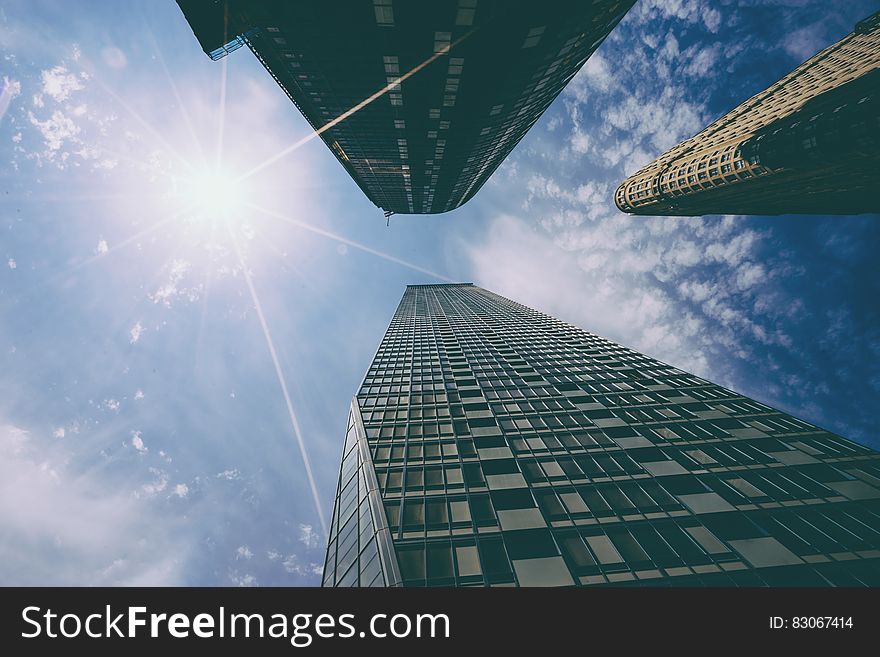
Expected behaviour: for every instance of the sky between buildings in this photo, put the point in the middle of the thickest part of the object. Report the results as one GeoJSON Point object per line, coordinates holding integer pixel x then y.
{"type": "Point", "coordinates": [144, 434]}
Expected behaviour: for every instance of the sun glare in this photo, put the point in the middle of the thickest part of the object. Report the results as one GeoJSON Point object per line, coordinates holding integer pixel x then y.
{"type": "Point", "coordinates": [214, 195]}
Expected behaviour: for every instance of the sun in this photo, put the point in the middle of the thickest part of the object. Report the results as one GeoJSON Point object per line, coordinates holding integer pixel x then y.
{"type": "Point", "coordinates": [213, 194]}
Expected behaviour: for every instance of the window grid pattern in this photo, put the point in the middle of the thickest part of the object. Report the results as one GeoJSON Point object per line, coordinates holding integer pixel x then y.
{"type": "Point", "coordinates": [511, 448]}
{"type": "Point", "coordinates": [431, 140]}
{"type": "Point", "coordinates": [353, 550]}
{"type": "Point", "coordinates": [806, 144]}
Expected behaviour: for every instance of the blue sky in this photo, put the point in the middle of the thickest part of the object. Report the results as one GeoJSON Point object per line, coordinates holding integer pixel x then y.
{"type": "Point", "coordinates": [144, 434]}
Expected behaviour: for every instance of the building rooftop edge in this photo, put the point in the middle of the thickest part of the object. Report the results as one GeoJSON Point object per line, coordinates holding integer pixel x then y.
{"type": "Point", "coordinates": [440, 285]}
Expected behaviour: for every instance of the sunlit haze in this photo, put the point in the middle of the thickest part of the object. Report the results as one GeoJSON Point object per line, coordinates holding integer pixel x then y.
{"type": "Point", "coordinates": [214, 194]}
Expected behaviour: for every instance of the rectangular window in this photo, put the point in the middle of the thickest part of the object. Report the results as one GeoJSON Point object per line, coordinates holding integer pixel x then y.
{"type": "Point", "coordinates": [604, 549]}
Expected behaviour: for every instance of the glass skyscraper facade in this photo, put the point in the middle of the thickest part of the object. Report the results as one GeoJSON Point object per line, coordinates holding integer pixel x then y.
{"type": "Point", "coordinates": [419, 101]}
{"type": "Point", "coordinates": [493, 445]}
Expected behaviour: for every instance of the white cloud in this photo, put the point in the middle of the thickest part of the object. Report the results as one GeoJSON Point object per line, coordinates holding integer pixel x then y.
{"type": "Point", "coordinates": [595, 74]}
{"type": "Point", "coordinates": [807, 41]}
{"type": "Point", "coordinates": [135, 333]}
{"type": "Point", "coordinates": [157, 485]}
{"type": "Point", "coordinates": [749, 274]}
{"type": "Point", "coordinates": [111, 404]}
{"type": "Point", "coordinates": [700, 60]}
{"type": "Point", "coordinates": [244, 580]}
{"type": "Point", "coordinates": [229, 475]}
{"type": "Point", "coordinates": [580, 141]}
{"type": "Point", "coordinates": [732, 249]}
{"type": "Point", "coordinates": [59, 83]}
{"type": "Point", "coordinates": [293, 566]}
{"type": "Point", "coordinates": [11, 263]}
{"type": "Point", "coordinates": [55, 130]}
{"type": "Point", "coordinates": [71, 130]}
{"type": "Point", "coordinates": [8, 91]}
{"type": "Point", "coordinates": [138, 442]}
{"type": "Point", "coordinates": [173, 289]}
{"type": "Point", "coordinates": [139, 394]}
{"type": "Point", "coordinates": [608, 277]}
{"type": "Point", "coordinates": [65, 528]}
{"type": "Point", "coordinates": [662, 121]}
{"type": "Point", "coordinates": [102, 247]}
{"type": "Point", "coordinates": [308, 536]}
{"type": "Point", "coordinates": [691, 11]}
{"type": "Point", "coordinates": [243, 552]}
{"type": "Point", "coordinates": [59, 433]}
{"type": "Point", "coordinates": [181, 490]}
{"type": "Point", "coordinates": [670, 51]}
{"type": "Point", "coordinates": [697, 291]}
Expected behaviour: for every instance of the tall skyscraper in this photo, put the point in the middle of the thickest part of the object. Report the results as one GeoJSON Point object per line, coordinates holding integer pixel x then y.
{"type": "Point", "coordinates": [490, 444]}
{"type": "Point", "coordinates": [808, 144]}
{"type": "Point", "coordinates": [419, 101]}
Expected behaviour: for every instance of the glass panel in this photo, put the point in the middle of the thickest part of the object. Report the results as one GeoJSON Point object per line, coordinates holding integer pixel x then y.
{"type": "Point", "coordinates": [468, 560]}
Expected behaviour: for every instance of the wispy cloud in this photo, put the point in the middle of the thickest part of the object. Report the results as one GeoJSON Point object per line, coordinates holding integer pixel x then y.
{"type": "Point", "coordinates": [57, 130]}
{"type": "Point", "coordinates": [68, 528]}
{"type": "Point", "coordinates": [683, 11]}
{"type": "Point", "coordinates": [174, 287]}
{"type": "Point", "coordinates": [230, 475]}
{"type": "Point", "coordinates": [308, 536]}
{"type": "Point", "coordinates": [135, 332]}
{"type": "Point", "coordinates": [69, 132]}
{"type": "Point", "coordinates": [138, 442]}
{"type": "Point", "coordinates": [8, 91]}
{"type": "Point", "coordinates": [59, 83]}
{"type": "Point", "coordinates": [244, 580]}
{"type": "Point", "coordinates": [715, 295]}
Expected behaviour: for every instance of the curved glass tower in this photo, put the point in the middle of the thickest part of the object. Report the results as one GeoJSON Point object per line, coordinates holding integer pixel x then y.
{"type": "Point", "coordinates": [808, 144]}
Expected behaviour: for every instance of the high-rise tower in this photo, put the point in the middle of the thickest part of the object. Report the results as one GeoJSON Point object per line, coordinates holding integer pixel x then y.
{"type": "Point", "coordinates": [808, 144]}
{"type": "Point", "coordinates": [419, 101]}
{"type": "Point", "coordinates": [490, 444]}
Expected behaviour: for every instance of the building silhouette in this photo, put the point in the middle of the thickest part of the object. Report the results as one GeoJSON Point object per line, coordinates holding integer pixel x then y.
{"type": "Point", "coordinates": [808, 144]}
{"type": "Point", "coordinates": [461, 81]}
{"type": "Point", "coordinates": [490, 444]}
